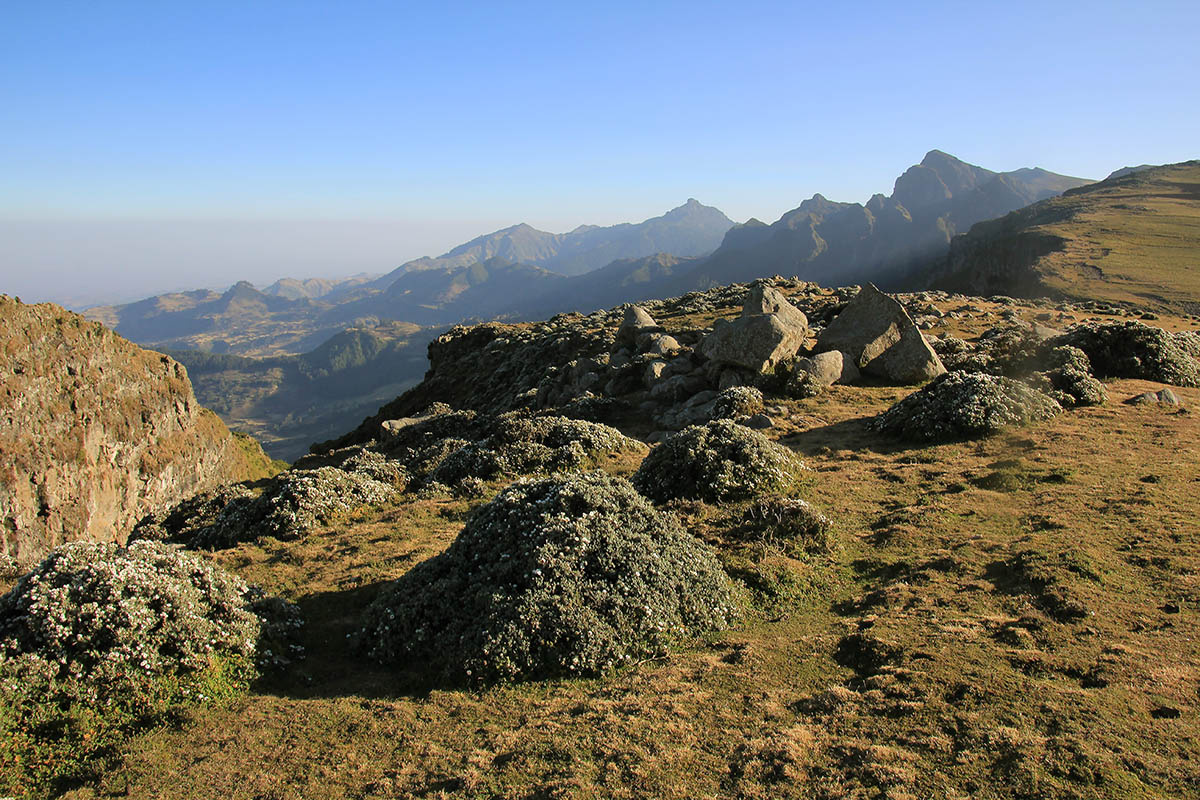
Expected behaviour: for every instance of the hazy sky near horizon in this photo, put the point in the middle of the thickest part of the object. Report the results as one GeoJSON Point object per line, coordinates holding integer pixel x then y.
{"type": "Point", "coordinates": [147, 146]}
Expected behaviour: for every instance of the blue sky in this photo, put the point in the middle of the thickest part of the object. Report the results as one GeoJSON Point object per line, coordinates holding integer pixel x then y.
{"type": "Point", "coordinates": [151, 145]}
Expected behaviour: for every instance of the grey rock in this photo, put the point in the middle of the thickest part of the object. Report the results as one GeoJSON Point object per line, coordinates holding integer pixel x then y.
{"type": "Point", "coordinates": [637, 321]}
{"type": "Point", "coordinates": [700, 398]}
{"type": "Point", "coordinates": [729, 378]}
{"type": "Point", "coordinates": [759, 422]}
{"type": "Point", "coordinates": [757, 343]}
{"type": "Point", "coordinates": [653, 373]}
{"type": "Point", "coordinates": [881, 339]}
{"type": "Point", "coordinates": [659, 344]}
{"type": "Point", "coordinates": [765, 299]}
{"type": "Point", "coordinates": [1163, 397]}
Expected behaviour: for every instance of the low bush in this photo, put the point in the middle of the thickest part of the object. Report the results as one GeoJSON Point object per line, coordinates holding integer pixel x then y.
{"type": "Point", "coordinates": [99, 638]}
{"type": "Point", "coordinates": [791, 524]}
{"type": "Point", "coordinates": [963, 405]}
{"type": "Point", "coordinates": [1129, 349]}
{"type": "Point", "coordinates": [715, 462]}
{"type": "Point", "coordinates": [521, 445]}
{"type": "Point", "coordinates": [568, 575]}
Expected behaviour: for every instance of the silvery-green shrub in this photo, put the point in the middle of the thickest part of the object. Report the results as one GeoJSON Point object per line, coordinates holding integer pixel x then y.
{"type": "Point", "coordinates": [569, 575]}
{"type": "Point", "coordinates": [715, 462]}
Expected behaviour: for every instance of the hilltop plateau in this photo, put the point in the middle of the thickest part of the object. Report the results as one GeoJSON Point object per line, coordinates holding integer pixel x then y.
{"type": "Point", "coordinates": [982, 584]}
{"type": "Point", "coordinates": [1129, 239]}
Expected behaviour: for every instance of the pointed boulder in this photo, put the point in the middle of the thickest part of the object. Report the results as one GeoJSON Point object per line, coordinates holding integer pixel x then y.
{"type": "Point", "coordinates": [879, 335]}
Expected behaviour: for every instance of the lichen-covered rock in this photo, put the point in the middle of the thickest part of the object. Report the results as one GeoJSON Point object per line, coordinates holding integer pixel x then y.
{"type": "Point", "coordinates": [963, 405]}
{"type": "Point", "coordinates": [1129, 349]}
{"type": "Point", "coordinates": [570, 575]}
{"type": "Point", "coordinates": [715, 462]}
{"type": "Point", "coordinates": [808, 377]}
{"type": "Point", "coordinates": [95, 432]}
{"type": "Point", "coordinates": [757, 343]}
{"type": "Point", "coordinates": [522, 445]}
{"type": "Point", "coordinates": [109, 620]}
{"type": "Point", "coordinates": [637, 322]}
{"type": "Point", "coordinates": [769, 331]}
{"type": "Point", "coordinates": [880, 337]}
{"type": "Point", "coordinates": [764, 299]}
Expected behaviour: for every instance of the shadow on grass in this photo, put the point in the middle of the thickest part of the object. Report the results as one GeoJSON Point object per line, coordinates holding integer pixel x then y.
{"type": "Point", "coordinates": [850, 434]}
{"type": "Point", "coordinates": [334, 665]}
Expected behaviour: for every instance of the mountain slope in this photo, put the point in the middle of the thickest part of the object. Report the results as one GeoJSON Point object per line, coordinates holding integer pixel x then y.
{"type": "Point", "coordinates": [288, 402]}
{"type": "Point", "coordinates": [832, 242]}
{"type": "Point", "coordinates": [1132, 238]}
{"type": "Point", "coordinates": [692, 229]}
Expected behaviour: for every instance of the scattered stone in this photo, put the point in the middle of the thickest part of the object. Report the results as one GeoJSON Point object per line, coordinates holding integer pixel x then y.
{"type": "Point", "coordinates": [764, 299]}
{"type": "Point", "coordinates": [1163, 397]}
{"type": "Point", "coordinates": [809, 377]}
{"type": "Point", "coordinates": [769, 331]}
{"type": "Point", "coordinates": [571, 575]}
{"type": "Point", "coordinates": [636, 322]}
{"type": "Point", "coordinates": [881, 339]}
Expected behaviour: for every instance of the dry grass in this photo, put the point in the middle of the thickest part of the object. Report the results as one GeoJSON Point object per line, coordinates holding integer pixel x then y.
{"type": "Point", "coordinates": [1013, 617]}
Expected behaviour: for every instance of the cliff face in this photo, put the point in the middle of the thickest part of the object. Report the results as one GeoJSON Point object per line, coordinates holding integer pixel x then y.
{"type": "Point", "coordinates": [94, 432]}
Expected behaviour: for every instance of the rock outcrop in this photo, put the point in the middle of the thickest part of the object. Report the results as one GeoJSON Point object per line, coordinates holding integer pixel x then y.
{"type": "Point", "coordinates": [770, 331]}
{"type": "Point", "coordinates": [96, 432]}
{"type": "Point", "coordinates": [876, 331]}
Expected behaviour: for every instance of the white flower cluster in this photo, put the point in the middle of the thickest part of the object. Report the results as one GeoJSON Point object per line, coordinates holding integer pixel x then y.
{"type": "Point", "coordinates": [111, 618]}
{"type": "Point", "coordinates": [574, 574]}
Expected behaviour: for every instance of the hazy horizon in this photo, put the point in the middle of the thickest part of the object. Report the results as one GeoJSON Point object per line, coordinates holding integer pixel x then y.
{"type": "Point", "coordinates": [150, 147]}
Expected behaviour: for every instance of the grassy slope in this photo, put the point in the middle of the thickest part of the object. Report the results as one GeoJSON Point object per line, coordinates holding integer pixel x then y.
{"type": "Point", "coordinates": [927, 658]}
{"type": "Point", "coordinates": [1131, 240]}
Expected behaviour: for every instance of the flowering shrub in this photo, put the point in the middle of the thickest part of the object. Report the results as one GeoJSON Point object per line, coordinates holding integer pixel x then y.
{"type": "Point", "coordinates": [99, 637]}
{"type": "Point", "coordinates": [790, 523]}
{"type": "Point", "coordinates": [1067, 378]}
{"type": "Point", "coordinates": [1129, 349]}
{"type": "Point", "coordinates": [715, 462]}
{"type": "Point", "coordinates": [962, 405]}
{"type": "Point", "coordinates": [522, 445]}
{"type": "Point", "coordinates": [737, 401]}
{"type": "Point", "coordinates": [573, 574]}
{"type": "Point", "coordinates": [109, 615]}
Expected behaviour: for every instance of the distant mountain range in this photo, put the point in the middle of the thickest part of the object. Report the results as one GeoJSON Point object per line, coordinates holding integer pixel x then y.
{"type": "Point", "coordinates": [484, 277]}
{"type": "Point", "coordinates": [523, 273]}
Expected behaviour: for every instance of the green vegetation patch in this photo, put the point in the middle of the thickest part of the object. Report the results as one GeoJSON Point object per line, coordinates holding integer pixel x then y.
{"type": "Point", "coordinates": [960, 405]}
{"type": "Point", "coordinates": [98, 639]}
{"type": "Point", "coordinates": [569, 575]}
{"type": "Point", "coordinates": [716, 462]}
